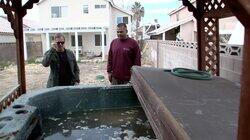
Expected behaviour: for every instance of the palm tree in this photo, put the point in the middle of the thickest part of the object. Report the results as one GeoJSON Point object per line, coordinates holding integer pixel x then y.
{"type": "Point", "coordinates": [138, 11]}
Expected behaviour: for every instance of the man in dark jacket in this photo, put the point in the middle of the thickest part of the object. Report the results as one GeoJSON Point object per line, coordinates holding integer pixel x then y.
{"type": "Point", "coordinates": [124, 52]}
{"type": "Point", "coordinates": [64, 70]}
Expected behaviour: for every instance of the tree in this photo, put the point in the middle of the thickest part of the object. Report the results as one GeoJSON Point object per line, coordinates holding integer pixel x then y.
{"type": "Point", "coordinates": [138, 11]}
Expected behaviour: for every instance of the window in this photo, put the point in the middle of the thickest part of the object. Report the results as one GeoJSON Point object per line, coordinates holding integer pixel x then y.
{"type": "Point", "coordinates": [177, 16]}
{"type": "Point", "coordinates": [98, 40]}
{"type": "Point", "coordinates": [85, 9]}
{"type": "Point", "coordinates": [100, 6]}
{"type": "Point", "coordinates": [73, 40]}
{"type": "Point", "coordinates": [59, 11]}
{"type": "Point", "coordinates": [122, 20]}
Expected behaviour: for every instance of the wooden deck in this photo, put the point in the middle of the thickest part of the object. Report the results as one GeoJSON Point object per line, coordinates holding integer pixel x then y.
{"type": "Point", "coordinates": [180, 108]}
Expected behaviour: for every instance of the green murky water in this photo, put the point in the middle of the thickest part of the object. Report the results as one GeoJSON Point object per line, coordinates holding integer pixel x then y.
{"type": "Point", "coordinates": [112, 124]}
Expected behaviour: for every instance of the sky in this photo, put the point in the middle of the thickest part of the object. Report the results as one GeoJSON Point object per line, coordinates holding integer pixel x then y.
{"type": "Point", "coordinates": [154, 9]}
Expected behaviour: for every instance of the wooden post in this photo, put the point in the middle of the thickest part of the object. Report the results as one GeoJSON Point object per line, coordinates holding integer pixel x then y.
{"type": "Point", "coordinates": [217, 44]}
{"type": "Point", "coordinates": [19, 47]}
{"type": "Point", "coordinates": [200, 35]}
{"type": "Point", "coordinates": [244, 114]}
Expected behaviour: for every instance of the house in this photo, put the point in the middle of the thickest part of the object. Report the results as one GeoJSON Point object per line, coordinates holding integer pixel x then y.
{"type": "Point", "coordinates": [146, 28]}
{"type": "Point", "coordinates": [183, 26]}
{"type": "Point", "coordinates": [89, 26]}
{"type": "Point", "coordinates": [8, 40]}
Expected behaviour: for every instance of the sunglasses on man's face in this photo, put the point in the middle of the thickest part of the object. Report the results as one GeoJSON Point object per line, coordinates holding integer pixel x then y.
{"type": "Point", "coordinates": [59, 43]}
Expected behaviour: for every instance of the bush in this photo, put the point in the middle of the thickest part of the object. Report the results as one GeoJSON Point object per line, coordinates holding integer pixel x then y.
{"type": "Point", "coordinates": [4, 64]}
{"type": "Point", "coordinates": [32, 60]}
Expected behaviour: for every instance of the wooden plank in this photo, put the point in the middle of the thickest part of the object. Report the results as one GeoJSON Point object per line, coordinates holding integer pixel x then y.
{"type": "Point", "coordinates": [244, 115]}
{"type": "Point", "coordinates": [9, 97]}
{"type": "Point", "coordinates": [217, 44]}
{"type": "Point", "coordinates": [20, 51]}
{"type": "Point", "coordinates": [163, 123]}
{"type": "Point", "coordinates": [180, 108]}
{"type": "Point", "coordinates": [239, 11]}
{"type": "Point", "coordinates": [200, 37]}
{"type": "Point", "coordinates": [221, 13]}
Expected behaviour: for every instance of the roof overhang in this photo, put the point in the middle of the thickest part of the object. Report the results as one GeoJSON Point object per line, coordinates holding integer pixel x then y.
{"type": "Point", "coordinates": [65, 29]}
{"type": "Point", "coordinates": [170, 26]}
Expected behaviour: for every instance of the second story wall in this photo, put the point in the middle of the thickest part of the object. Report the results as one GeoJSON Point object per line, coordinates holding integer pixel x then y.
{"type": "Point", "coordinates": [181, 14]}
{"type": "Point", "coordinates": [62, 13]}
{"type": "Point", "coordinates": [117, 16]}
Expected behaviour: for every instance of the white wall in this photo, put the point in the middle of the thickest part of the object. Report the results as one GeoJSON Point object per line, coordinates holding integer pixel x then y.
{"type": "Point", "coordinates": [187, 31]}
{"type": "Point", "coordinates": [6, 38]}
{"type": "Point", "coordinates": [96, 17]}
{"type": "Point", "coordinates": [170, 57]}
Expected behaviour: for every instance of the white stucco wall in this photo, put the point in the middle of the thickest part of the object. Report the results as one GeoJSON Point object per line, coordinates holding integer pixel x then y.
{"type": "Point", "coordinates": [75, 17]}
{"type": "Point", "coordinates": [96, 18]}
{"type": "Point", "coordinates": [7, 38]}
{"type": "Point", "coordinates": [187, 31]}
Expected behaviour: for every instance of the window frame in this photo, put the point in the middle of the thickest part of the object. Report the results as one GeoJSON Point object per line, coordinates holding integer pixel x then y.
{"type": "Point", "coordinates": [61, 13]}
{"type": "Point", "coordinates": [121, 20]}
{"type": "Point", "coordinates": [80, 43]}
{"type": "Point", "coordinates": [100, 6]}
{"type": "Point", "coordinates": [83, 9]}
{"type": "Point", "coordinates": [100, 41]}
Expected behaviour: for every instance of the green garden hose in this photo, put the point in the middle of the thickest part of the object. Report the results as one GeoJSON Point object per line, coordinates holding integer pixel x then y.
{"type": "Point", "coordinates": [191, 74]}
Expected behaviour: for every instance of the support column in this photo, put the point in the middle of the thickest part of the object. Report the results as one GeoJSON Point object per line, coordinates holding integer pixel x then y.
{"type": "Point", "coordinates": [25, 48]}
{"type": "Point", "coordinates": [244, 112]}
{"type": "Point", "coordinates": [47, 42]}
{"type": "Point", "coordinates": [20, 51]}
{"type": "Point", "coordinates": [77, 47]}
{"type": "Point", "coordinates": [103, 47]}
{"type": "Point", "coordinates": [163, 36]}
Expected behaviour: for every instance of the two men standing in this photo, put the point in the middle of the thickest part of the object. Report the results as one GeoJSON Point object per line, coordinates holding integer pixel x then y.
{"type": "Point", "coordinates": [123, 54]}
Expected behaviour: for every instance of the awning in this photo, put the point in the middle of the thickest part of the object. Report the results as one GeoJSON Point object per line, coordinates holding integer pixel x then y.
{"type": "Point", "coordinates": [170, 26]}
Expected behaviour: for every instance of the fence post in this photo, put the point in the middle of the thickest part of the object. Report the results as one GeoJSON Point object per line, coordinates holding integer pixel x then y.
{"type": "Point", "coordinates": [157, 54]}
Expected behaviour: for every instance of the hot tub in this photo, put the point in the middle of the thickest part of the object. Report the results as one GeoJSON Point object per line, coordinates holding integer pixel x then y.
{"type": "Point", "coordinates": [82, 112]}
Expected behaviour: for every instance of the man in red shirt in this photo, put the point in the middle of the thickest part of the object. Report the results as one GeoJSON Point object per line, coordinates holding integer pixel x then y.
{"type": "Point", "coordinates": [124, 52]}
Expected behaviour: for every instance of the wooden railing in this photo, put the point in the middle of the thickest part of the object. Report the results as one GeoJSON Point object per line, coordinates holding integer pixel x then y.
{"type": "Point", "coordinates": [9, 98]}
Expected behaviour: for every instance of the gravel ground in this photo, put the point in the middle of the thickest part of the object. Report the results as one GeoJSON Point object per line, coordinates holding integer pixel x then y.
{"type": "Point", "coordinates": [37, 75]}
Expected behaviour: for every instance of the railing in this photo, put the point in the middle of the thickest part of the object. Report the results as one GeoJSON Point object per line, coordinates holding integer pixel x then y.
{"type": "Point", "coordinates": [227, 49]}
{"type": "Point", "coordinates": [230, 49]}
{"type": "Point", "coordinates": [9, 98]}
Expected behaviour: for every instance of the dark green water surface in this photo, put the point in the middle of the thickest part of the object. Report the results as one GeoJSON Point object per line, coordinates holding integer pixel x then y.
{"type": "Point", "coordinates": [111, 124]}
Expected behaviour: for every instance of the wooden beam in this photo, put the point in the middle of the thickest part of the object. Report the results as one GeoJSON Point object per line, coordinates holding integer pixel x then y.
{"type": "Point", "coordinates": [200, 36]}
{"type": "Point", "coordinates": [28, 5]}
{"type": "Point", "coordinates": [6, 7]}
{"type": "Point", "coordinates": [239, 11]}
{"type": "Point", "coordinates": [191, 8]}
{"type": "Point", "coordinates": [11, 19]}
{"type": "Point", "coordinates": [221, 13]}
{"type": "Point", "coordinates": [18, 20]}
{"type": "Point", "coordinates": [217, 44]}
{"type": "Point", "coordinates": [244, 114]}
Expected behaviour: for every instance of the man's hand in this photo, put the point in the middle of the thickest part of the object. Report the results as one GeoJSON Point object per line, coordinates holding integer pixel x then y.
{"type": "Point", "coordinates": [110, 77]}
